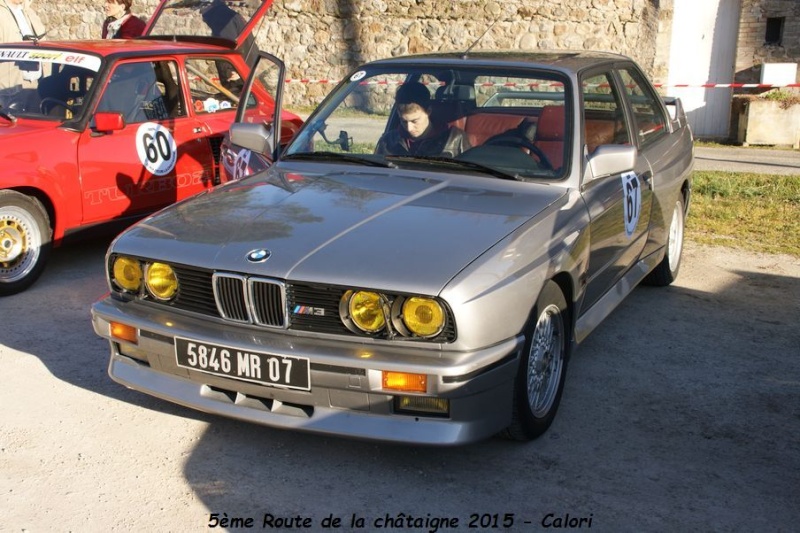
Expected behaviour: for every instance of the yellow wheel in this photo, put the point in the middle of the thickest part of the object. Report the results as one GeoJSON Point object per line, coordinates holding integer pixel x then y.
{"type": "Point", "coordinates": [24, 241]}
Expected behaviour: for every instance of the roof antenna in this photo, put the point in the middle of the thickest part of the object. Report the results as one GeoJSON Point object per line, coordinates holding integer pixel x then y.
{"type": "Point", "coordinates": [479, 38]}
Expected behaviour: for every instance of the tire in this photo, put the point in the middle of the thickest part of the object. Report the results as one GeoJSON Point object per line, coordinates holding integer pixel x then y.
{"type": "Point", "coordinates": [667, 270]}
{"type": "Point", "coordinates": [25, 241]}
{"type": "Point", "coordinates": [543, 366]}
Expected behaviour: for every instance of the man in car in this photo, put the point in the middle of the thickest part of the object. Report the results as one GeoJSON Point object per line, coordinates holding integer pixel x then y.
{"type": "Point", "coordinates": [418, 135]}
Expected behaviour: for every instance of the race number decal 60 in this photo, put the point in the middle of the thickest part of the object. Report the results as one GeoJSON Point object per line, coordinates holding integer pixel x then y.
{"type": "Point", "coordinates": [156, 148]}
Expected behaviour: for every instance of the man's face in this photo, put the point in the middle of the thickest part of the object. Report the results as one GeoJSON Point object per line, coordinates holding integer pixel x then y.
{"type": "Point", "coordinates": [16, 2]}
{"type": "Point", "coordinates": [415, 121]}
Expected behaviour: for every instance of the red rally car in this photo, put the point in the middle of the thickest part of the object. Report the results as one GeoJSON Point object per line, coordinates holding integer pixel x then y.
{"type": "Point", "coordinates": [100, 132]}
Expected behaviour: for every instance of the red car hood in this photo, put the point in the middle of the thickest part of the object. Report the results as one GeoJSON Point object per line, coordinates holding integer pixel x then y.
{"type": "Point", "coordinates": [21, 128]}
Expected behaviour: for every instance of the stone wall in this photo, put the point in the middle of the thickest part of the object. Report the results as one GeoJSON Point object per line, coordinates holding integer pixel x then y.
{"type": "Point", "coordinates": [752, 52]}
{"type": "Point", "coordinates": [324, 39]}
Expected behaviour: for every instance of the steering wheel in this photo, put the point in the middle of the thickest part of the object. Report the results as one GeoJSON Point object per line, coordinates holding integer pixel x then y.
{"type": "Point", "coordinates": [54, 102]}
{"type": "Point", "coordinates": [516, 141]}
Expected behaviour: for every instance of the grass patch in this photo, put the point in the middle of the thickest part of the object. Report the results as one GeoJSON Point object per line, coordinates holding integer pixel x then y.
{"type": "Point", "coordinates": [758, 212]}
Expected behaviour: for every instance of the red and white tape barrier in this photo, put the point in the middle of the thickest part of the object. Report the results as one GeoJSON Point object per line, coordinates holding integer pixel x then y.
{"type": "Point", "coordinates": [728, 85]}
{"type": "Point", "coordinates": [659, 85]}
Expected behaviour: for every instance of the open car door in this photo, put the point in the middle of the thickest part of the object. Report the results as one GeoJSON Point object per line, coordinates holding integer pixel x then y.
{"type": "Point", "coordinates": [233, 21]}
{"type": "Point", "coordinates": [251, 145]}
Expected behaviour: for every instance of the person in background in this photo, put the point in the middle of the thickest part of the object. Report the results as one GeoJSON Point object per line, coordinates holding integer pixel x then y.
{"type": "Point", "coordinates": [226, 23]}
{"type": "Point", "coordinates": [120, 23]}
{"type": "Point", "coordinates": [19, 22]}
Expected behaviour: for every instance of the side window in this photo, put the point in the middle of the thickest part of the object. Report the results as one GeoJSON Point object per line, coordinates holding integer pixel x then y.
{"type": "Point", "coordinates": [144, 91]}
{"type": "Point", "coordinates": [603, 116]}
{"type": "Point", "coordinates": [215, 84]}
{"type": "Point", "coordinates": [650, 120]}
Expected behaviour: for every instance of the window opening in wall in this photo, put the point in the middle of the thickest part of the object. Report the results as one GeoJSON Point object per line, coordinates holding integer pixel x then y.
{"type": "Point", "coordinates": [774, 34]}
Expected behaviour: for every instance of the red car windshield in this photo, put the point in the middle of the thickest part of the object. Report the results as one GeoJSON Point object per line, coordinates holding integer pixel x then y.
{"type": "Point", "coordinates": [46, 84]}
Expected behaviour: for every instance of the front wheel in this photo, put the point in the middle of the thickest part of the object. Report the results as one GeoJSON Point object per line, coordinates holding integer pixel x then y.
{"type": "Point", "coordinates": [24, 241]}
{"type": "Point", "coordinates": [667, 270]}
{"type": "Point", "coordinates": [543, 366]}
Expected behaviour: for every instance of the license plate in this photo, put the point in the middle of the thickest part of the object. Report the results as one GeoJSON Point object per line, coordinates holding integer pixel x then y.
{"type": "Point", "coordinates": [246, 365]}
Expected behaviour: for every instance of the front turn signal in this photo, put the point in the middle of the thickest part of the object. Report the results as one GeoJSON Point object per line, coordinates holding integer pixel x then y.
{"type": "Point", "coordinates": [403, 381]}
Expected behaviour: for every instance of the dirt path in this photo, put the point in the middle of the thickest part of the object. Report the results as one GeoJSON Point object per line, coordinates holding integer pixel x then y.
{"type": "Point", "coordinates": [681, 412]}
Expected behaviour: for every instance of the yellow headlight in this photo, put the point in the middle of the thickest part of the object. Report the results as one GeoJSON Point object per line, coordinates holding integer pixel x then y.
{"type": "Point", "coordinates": [161, 281]}
{"type": "Point", "coordinates": [423, 316]}
{"type": "Point", "coordinates": [127, 273]}
{"type": "Point", "coordinates": [365, 310]}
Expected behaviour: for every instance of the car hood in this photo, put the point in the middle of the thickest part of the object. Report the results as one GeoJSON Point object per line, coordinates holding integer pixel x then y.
{"type": "Point", "coordinates": [385, 229]}
{"type": "Point", "coordinates": [22, 128]}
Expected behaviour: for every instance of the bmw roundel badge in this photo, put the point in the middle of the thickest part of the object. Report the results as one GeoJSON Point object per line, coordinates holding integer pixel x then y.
{"type": "Point", "coordinates": [258, 256]}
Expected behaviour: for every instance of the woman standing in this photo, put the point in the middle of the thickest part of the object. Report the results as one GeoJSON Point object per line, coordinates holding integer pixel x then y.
{"type": "Point", "coordinates": [120, 23]}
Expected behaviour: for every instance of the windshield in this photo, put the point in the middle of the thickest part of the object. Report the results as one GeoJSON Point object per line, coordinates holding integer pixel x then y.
{"type": "Point", "coordinates": [495, 120]}
{"type": "Point", "coordinates": [45, 84]}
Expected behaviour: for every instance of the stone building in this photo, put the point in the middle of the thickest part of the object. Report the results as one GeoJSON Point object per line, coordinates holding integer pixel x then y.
{"type": "Point", "coordinates": [769, 32]}
{"type": "Point", "coordinates": [321, 40]}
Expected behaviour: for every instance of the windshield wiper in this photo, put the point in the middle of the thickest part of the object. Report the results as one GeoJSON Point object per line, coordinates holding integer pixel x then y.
{"type": "Point", "coordinates": [458, 163]}
{"type": "Point", "coordinates": [336, 156]}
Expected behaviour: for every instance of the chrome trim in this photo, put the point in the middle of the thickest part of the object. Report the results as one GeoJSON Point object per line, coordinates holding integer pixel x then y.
{"type": "Point", "coordinates": [253, 302]}
{"type": "Point", "coordinates": [220, 297]}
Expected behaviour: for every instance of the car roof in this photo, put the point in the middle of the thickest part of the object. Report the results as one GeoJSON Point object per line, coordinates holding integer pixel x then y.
{"type": "Point", "coordinates": [569, 61]}
{"type": "Point", "coordinates": [141, 47]}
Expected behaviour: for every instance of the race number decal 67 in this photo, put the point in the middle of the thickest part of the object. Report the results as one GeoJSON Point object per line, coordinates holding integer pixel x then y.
{"type": "Point", "coordinates": [156, 148]}
{"type": "Point", "coordinates": [631, 200]}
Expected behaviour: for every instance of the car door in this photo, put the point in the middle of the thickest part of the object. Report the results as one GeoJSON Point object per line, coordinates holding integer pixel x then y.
{"type": "Point", "coordinates": [157, 155]}
{"type": "Point", "coordinates": [620, 204]}
{"type": "Point", "coordinates": [656, 146]}
{"type": "Point", "coordinates": [262, 97]}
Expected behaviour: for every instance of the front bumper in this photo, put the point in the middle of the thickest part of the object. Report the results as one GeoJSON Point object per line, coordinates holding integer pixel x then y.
{"type": "Point", "coordinates": [346, 396]}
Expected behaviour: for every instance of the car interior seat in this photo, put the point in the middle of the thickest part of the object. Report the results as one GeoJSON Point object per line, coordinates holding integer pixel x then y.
{"type": "Point", "coordinates": [131, 87]}
{"type": "Point", "coordinates": [550, 134]}
{"type": "Point", "coordinates": [452, 103]}
{"type": "Point", "coordinates": [69, 86]}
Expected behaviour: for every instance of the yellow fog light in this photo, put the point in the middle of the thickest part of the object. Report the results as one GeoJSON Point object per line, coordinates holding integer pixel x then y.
{"type": "Point", "coordinates": [365, 310]}
{"type": "Point", "coordinates": [161, 281]}
{"type": "Point", "coordinates": [423, 316]}
{"type": "Point", "coordinates": [127, 273]}
{"type": "Point", "coordinates": [403, 381]}
{"type": "Point", "coordinates": [123, 332]}
{"type": "Point", "coordinates": [422, 405]}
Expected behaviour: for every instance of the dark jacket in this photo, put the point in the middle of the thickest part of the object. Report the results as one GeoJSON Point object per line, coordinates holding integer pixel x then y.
{"type": "Point", "coordinates": [133, 27]}
{"type": "Point", "coordinates": [448, 142]}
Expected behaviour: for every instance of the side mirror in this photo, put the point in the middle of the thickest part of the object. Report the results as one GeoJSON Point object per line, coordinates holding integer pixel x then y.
{"type": "Point", "coordinates": [108, 121]}
{"type": "Point", "coordinates": [612, 159]}
{"type": "Point", "coordinates": [254, 137]}
{"type": "Point", "coordinates": [677, 115]}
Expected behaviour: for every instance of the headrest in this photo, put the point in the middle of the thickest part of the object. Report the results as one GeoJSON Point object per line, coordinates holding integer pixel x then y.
{"type": "Point", "coordinates": [456, 92]}
{"type": "Point", "coordinates": [551, 124]}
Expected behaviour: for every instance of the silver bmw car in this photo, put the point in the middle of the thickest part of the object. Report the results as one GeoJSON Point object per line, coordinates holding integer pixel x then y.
{"type": "Point", "coordinates": [420, 261]}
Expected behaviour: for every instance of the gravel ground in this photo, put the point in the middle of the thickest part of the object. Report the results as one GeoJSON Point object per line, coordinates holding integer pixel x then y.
{"type": "Point", "coordinates": [681, 412]}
